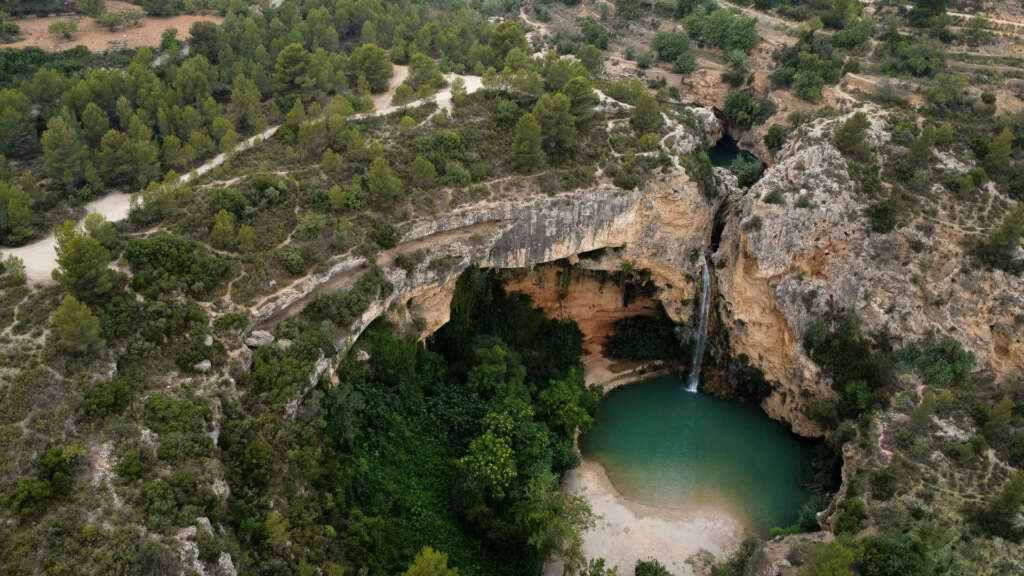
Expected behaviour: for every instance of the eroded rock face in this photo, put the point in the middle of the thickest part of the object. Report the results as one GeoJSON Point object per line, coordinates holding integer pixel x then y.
{"type": "Point", "coordinates": [792, 244]}
{"type": "Point", "coordinates": [781, 263]}
{"type": "Point", "coordinates": [658, 228]}
{"type": "Point", "coordinates": [661, 227]}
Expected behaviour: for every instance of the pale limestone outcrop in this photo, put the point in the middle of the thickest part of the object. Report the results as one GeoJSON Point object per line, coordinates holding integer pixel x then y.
{"type": "Point", "coordinates": [778, 267]}
{"type": "Point", "coordinates": [782, 264]}
{"type": "Point", "coordinates": [660, 227]}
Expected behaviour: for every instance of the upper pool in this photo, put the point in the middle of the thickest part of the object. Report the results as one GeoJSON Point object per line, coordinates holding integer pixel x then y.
{"type": "Point", "coordinates": [666, 447]}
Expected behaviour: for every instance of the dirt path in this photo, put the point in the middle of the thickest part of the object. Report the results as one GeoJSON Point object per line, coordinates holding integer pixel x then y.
{"type": "Point", "coordinates": [768, 24]}
{"type": "Point", "coordinates": [35, 31]}
{"type": "Point", "coordinates": [383, 100]}
{"type": "Point", "coordinates": [40, 257]}
{"type": "Point", "coordinates": [962, 16]}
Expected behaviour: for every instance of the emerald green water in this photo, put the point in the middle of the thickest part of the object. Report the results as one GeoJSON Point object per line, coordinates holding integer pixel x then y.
{"type": "Point", "coordinates": [663, 446]}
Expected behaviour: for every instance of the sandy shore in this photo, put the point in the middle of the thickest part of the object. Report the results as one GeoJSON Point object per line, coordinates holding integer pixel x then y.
{"type": "Point", "coordinates": [628, 531]}
{"type": "Point", "coordinates": [610, 374]}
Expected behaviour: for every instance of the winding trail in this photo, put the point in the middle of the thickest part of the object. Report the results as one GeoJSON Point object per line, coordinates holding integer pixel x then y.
{"type": "Point", "coordinates": [40, 257]}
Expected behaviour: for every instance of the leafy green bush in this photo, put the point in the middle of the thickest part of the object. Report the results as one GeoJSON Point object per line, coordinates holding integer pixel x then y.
{"type": "Point", "coordinates": [670, 45]}
{"type": "Point", "coordinates": [808, 66]}
{"type": "Point", "coordinates": [726, 29]}
{"type": "Point", "coordinates": [775, 137]}
{"type": "Point", "coordinates": [851, 512]}
{"type": "Point", "coordinates": [131, 466]}
{"type": "Point", "coordinates": [746, 110]}
{"type": "Point", "coordinates": [650, 568]}
{"type": "Point", "coordinates": [166, 263]}
{"type": "Point", "coordinates": [747, 169]}
{"type": "Point", "coordinates": [860, 373]}
{"type": "Point", "coordinates": [108, 397]}
{"type": "Point", "coordinates": [940, 364]}
{"type": "Point", "coordinates": [644, 338]}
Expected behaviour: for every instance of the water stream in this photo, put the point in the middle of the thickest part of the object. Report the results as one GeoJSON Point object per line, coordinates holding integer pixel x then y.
{"type": "Point", "coordinates": [701, 335]}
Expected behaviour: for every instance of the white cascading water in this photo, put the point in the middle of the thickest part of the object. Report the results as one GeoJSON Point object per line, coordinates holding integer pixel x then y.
{"type": "Point", "coordinates": [701, 335]}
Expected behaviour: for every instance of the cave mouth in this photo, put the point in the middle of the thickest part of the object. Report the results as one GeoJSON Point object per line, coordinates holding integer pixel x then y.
{"type": "Point", "coordinates": [727, 153]}
{"type": "Point", "coordinates": [664, 447]}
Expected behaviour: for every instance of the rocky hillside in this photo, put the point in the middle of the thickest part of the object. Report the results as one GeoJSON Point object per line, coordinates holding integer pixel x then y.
{"type": "Point", "coordinates": [797, 243]}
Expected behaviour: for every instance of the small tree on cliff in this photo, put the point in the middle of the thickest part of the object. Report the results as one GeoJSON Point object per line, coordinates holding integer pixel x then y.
{"type": "Point", "coordinates": [527, 153]}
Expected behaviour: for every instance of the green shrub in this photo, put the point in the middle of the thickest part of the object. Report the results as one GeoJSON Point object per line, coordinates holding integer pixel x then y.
{"type": "Point", "coordinates": [165, 263]}
{"type": "Point", "coordinates": [851, 512]}
{"type": "Point", "coordinates": [747, 169]}
{"type": "Point", "coordinates": [644, 338]}
{"type": "Point", "coordinates": [774, 197]}
{"type": "Point", "coordinates": [775, 137]}
{"type": "Point", "coordinates": [131, 466]}
{"type": "Point", "coordinates": [650, 568]}
{"type": "Point", "coordinates": [108, 397]}
{"type": "Point", "coordinates": [746, 110]}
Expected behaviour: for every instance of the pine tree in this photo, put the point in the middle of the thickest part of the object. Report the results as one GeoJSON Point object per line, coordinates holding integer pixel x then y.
{"type": "Point", "coordinates": [115, 158]}
{"type": "Point", "coordinates": [383, 184]}
{"type": "Point", "coordinates": [64, 153]}
{"type": "Point", "coordinates": [997, 160]}
{"type": "Point", "coordinates": [558, 127]}
{"type": "Point", "coordinates": [245, 239]}
{"type": "Point", "coordinates": [174, 155]}
{"type": "Point", "coordinates": [422, 173]}
{"type": "Point", "coordinates": [292, 76]}
{"type": "Point", "coordinates": [371, 62]}
{"type": "Point", "coordinates": [81, 264]}
{"type": "Point", "coordinates": [223, 233]}
{"type": "Point", "coordinates": [506, 36]}
{"type": "Point", "coordinates": [851, 137]}
{"type": "Point", "coordinates": [76, 328]}
{"type": "Point", "coordinates": [17, 130]}
{"type": "Point", "coordinates": [15, 213]}
{"type": "Point", "coordinates": [145, 161]}
{"type": "Point", "coordinates": [95, 123]}
{"type": "Point", "coordinates": [582, 99]}
{"type": "Point", "coordinates": [527, 153]}
{"type": "Point", "coordinates": [646, 115]}
{"type": "Point", "coordinates": [245, 103]}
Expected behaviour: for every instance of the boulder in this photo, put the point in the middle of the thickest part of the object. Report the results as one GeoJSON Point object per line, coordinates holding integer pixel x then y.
{"type": "Point", "coordinates": [258, 338]}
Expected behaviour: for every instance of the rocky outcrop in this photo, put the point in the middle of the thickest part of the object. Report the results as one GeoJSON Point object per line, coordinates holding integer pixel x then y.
{"type": "Point", "coordinates": [661, 227]}
{"type": "Point", "coordinates": [792, 245]}
{"type": "Point", "coordinates": [773, 557]}
{"type": "Point", "coordinates": [797, 242]}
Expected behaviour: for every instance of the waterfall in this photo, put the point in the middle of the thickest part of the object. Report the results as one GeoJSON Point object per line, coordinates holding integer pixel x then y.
{"type": "Point", "coordinates": [701, 336]}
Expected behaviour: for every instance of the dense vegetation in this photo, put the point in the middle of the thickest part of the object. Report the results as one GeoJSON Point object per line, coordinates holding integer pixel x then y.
{"type": "Point", "coordinates": [645, 338]}
{"type": "Point", "coordinates": [459, 446]}
{"type": "Point", "coordinates": [134, 421]}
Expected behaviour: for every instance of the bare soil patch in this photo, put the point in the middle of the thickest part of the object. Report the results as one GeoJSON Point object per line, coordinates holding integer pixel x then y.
{"type": "Point", "coordinates": [35, 31]}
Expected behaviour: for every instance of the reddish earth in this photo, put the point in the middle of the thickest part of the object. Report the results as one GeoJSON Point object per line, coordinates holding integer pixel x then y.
{"type": "Point", "coordinates": [35, 31]}
{"type": "Point", "coordinates": [594, 306]}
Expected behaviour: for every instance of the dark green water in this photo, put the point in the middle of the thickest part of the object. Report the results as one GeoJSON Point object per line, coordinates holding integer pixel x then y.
{"type": "Point", "coordinates": [724, 151]}
{"type": "Point", "coordinates": [663, 446]}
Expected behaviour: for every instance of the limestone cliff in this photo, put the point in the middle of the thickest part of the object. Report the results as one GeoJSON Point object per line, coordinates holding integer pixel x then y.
{"type": "Point", "coordinates": [660, 227]}
{"type": "Point", "coordinates": [792, 245]}
{"type": "Point", "coordinates": [594, 301]}
{"type": "Point", "coordinates": [797, 240]}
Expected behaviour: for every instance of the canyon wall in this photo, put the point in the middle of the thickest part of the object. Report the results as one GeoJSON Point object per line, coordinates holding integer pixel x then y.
{"type": "Point", "coordinates": [783, 262]}
{"type": "Point", "coordinates": [661, 227]}
{"type": "Point", "coordinates": [792, 246]}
